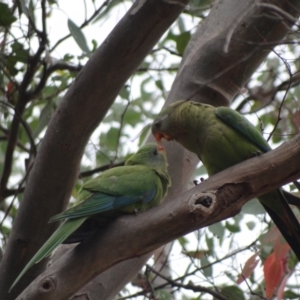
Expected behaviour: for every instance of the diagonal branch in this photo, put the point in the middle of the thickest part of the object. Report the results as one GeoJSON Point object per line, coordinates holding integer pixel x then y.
{"type": "Point", "coordinates": [83, 107]}
{"type": "Point", "coordinates": [228, 191]}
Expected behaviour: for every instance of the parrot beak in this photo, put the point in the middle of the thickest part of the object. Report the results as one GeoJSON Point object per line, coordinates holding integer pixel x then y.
{"type": "Point", "coordinates": [161, 148]}
{"type": "Point", "coordinates": [159, 136]}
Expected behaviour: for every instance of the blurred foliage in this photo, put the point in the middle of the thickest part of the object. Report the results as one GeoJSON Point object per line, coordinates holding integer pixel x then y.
{"type": "Point", "coordinates": [41, 52]}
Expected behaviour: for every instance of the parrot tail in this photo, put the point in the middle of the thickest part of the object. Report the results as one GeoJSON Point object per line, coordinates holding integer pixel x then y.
{"type": "Point", "coordinates": [284, 219]}
{"type": "Point", "coordinates": [56, 239]}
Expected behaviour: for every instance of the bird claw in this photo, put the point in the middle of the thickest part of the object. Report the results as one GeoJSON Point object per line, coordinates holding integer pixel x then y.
{"type": "Point", "coordinates": [197, 182]}
{"type": "Point", "coordinates": [257, 153]}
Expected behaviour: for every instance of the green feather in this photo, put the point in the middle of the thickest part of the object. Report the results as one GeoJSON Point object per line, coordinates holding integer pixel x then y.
{"type": "Point", "coordinates": [221, 138]}
{"type": "Point", "coordinates": [139, 185]}
{"type": "Point", "coordinates": [56, 239]}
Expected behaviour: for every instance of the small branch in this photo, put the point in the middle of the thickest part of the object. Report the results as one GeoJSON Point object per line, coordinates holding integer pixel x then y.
{"type": "Point", "coordinates": [85, 23]}
{"type": "Point", "coordinates": [12, 141]}
{"type": "Point", "coordinates": [12, 192]}
{"type": "Point", "coordinates": [285, 94]}
{"type": "Point", "coordinates": [194, 288]}
{"type": "Point", "coordinates": [157, 69]}
{"type": "Point", "coordinates": [100, 169]}
{"type": "Point", "coordinates": [46, 73]}
{"type": "Point", "coordinates": [229, 190]}
{"type": "Point", "coordinates": [19, 144]}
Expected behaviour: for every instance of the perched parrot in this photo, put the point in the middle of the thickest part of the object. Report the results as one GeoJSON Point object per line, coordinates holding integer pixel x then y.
{"type": "Point", "coordinates": [221, 138]}
{"type": "Point", "coordinates": [139, 185]}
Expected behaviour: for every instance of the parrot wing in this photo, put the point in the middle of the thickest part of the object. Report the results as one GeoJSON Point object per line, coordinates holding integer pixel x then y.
{"type": "Point", "coordinates": [243, 126]}
{"type": "Point", "coordinates": [276, 202]}
{"type": "Point", "coordinates": [118, 188]}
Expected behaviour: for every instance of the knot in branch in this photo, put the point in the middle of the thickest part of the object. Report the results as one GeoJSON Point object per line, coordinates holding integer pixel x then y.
{"type": "Point", "coordinates": [202, 202]}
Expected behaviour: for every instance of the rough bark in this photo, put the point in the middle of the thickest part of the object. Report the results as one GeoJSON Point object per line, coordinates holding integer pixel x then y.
{"type": "Point", "coordinates": [56, 166]}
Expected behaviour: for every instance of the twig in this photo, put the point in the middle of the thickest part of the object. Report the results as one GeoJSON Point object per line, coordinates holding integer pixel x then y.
{"type": "Point", "coordinates": [285, 94]}
{"type": "Point", "coordinates": [85, 23]}
{"type": "Point", "coordinates": [100, 169]}
{"type": "Point", "coordinates": [189, 286]}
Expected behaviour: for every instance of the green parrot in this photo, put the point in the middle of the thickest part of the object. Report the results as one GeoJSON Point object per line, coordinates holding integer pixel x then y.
{"type": "Point", "coordinates": [139, 185]}
{"type": "Point", "coordinates": [221, 138]}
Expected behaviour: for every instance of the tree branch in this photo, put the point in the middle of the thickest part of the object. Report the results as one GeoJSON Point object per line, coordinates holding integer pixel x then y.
{"type": "Point", "coordinates": [56, 166]}
{"type": "Point", "coordinates": [208, 74]}
{"type": "Point", "coordinates": [189, 286]}
{"type": "Point", "coordinates": [227, 192]}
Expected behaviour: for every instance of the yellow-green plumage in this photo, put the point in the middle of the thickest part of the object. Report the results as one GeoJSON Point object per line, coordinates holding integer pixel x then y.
{"type": "Point", "coordinates": [221, 138]}
{"type": "Point", "coordinates": [139, 185]}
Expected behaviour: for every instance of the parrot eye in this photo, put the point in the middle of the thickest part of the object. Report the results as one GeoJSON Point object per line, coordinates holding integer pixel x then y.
{"type": "Point", "coordinates": [155, 152]}
{"type": "Point", "coordinates": [157, 125]}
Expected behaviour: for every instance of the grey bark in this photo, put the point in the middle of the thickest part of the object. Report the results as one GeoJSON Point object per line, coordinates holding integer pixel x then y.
{"type": "Point", "coordinates": [227, 48]}
{"type": "Point", "coordinates": [220, 58]}
{"type": "Point", "coordinates": [56, 166]}
{"type": "Point", "coordinates": [228, 191]}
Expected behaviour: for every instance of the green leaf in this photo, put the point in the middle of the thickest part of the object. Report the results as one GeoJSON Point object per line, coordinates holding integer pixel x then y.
{"type": "Point", "coordinates": [233, 293]}
{"type": "Point", "coordinates": [106, 11]}
{"type": "Point", "coordinates": [218, 230]}
{"type": "Point", "coordinates": [291, 295]}
{"type": "Point", "coordinates": [10, 64]}
{"type": "Point", "coordinates": [251, 225]}
{"type": "Point", "coordinates": [44, 119]}
{"type": "Point", "coordinates": [132, 117]}
{"type": "Point", "coordinates": [183, 241]}
{"type": "Point", "coordinates": [78, 36]}
{"type": "Point", "coordinates": [234, 228]}
{"type": "Point", "coordinates": [209, 243]}
{"type": "Point", "coordinates": [182, 41]}
{"type": "Point", "coordinates": [159, 84]}
{"type": "Point", "coordinates": [19, 53]}
{"type": "Point", "coordinates": [124, 93]}
{"type": "Point", "coordinates": [207, 267]}
{"type": "Point", "coordinates": [163, 295]}
{"type": "Point", "coordinates": [112, 137]}
{"type": "Point", "coordinates": [6, 17]}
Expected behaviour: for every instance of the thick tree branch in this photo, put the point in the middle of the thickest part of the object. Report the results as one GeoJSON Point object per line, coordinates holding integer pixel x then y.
{"type": "Point", "coordinates": [208, 74]}
{"type": "Point", "coordinates": [229, 46]}
{"type": "Point", "coordinates": [85, 104]}
{"type": "Point", "coordinates": [226, 192]}
{"type": "Point", "coordinates": [204, 62]}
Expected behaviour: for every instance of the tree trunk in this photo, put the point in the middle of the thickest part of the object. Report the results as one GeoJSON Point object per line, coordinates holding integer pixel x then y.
{"type": "Point", "coordinates": [227, 48]}
{"type": "Point", "coordinates": [55, 169]}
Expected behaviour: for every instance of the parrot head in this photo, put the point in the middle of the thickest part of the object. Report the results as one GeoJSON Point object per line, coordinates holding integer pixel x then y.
{"type": "Point", "coordinates": [164, 124]}
{"type": "Point", "coordinates": [151, 155]}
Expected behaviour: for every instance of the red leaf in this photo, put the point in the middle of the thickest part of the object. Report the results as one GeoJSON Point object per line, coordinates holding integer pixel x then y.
{"type": "Point", "coordinates": [249, 267]}
{"type": "Point", "coordinates": [9, 87]}
{"type": "Point", "coordinates": [282, 286]}
{"type": "Point", "coordinates": [273, 272]}
{"type": "Point", "coordinates": [272, 235]}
